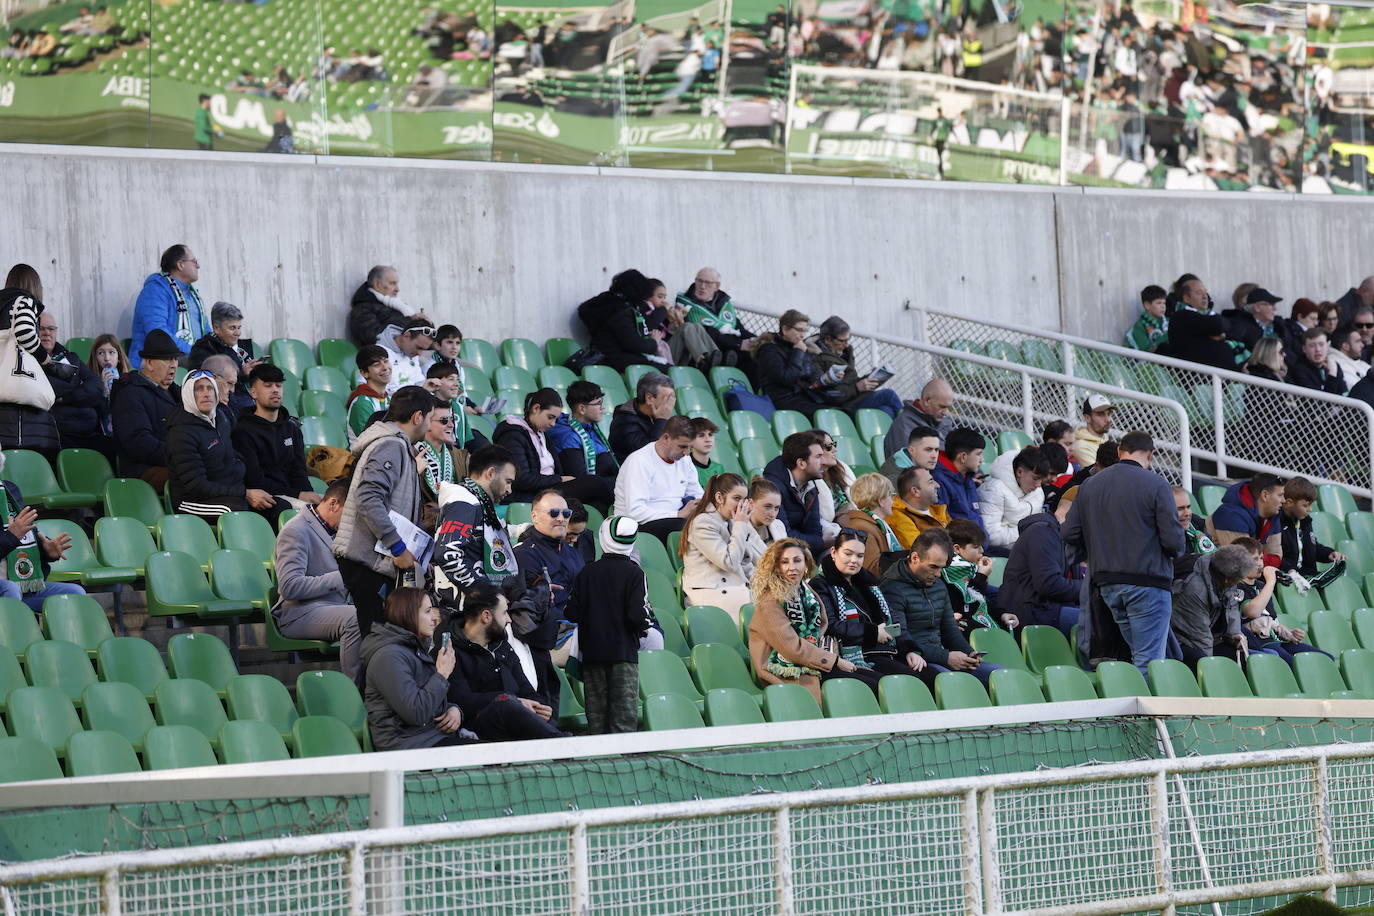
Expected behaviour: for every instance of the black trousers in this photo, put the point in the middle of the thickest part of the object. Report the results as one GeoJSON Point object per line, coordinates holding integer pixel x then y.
{"type": "Point", "coordinates": [894, 664]}
{"type": "Point", "coordinates": [507, 719]}
{"type": "Point", "coordinates": [662, 527]}
{"type": "Point", "coordinates": [368, 589]}
{"type": "Point", "coordinates": [592, 490]}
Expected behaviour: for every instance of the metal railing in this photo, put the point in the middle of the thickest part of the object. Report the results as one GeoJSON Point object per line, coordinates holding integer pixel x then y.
{"type": "Point", "coordinates": [992, 395]}
{"type": "Point", "coordinates": [1240, 422]}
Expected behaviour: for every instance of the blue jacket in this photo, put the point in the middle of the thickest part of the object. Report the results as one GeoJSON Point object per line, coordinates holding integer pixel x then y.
{"type": "Point", "coordinates": [1239, 513]}
{"type": "Point", "coordinates": [156, 307]}
{"type": "Point", "coordinates": [538, 552]}
{"type": "Point", "coordinates": [803, 520]}
{"type": "Point", "coordinates": [566, 446]}
{"type": "Point", "coordinates": [958, 490]}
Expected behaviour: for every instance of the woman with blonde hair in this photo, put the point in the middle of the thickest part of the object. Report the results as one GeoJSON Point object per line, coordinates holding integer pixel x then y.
{"type": "Point", "coordinates": [787, 634]}
{"type": "Point", "coordinates": [719, 546]}
{"type": "Point", "coordinates": [872, 496]}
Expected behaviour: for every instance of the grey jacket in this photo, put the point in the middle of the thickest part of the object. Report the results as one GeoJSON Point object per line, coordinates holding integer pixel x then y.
{"type": "Point", "coordinates": [1204, 614]}
{"type": "Point", "coordinates": [402, 690]}
{"type": "Point", "coordinates": [307, 574]}
{"type": "Point", "coordinates": [384, 478]}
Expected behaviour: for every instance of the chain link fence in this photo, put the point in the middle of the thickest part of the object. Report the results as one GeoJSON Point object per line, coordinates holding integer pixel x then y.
{"type": "Point", "coordinates": [1239, 423]}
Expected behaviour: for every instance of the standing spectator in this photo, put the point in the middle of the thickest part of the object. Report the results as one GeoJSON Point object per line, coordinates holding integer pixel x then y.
{"type": "Point", "coordinates": [765, 501]}
{"type": "Point", "coordinates": [931, 409]}
{"type": "Point", "coordinates": [408, 349]}
{"type": "Point", "coordinates": [26, 396]}
{"type": "Point", "coordinates": [922, 451]}
{"type": "Point", "coordinates": [610, 605]}
{"type": "Point", "coordinates": [437, 455]}
{"type": "Point", "coordinates": [657, 485]}
{"type": "Point", "coordinates": [371, 396]}
{"type": "Point", "coordinates": [225, 338]}
{"type": "Point", "coordinates": [617, 325]}
{"type": "Point", "coordinates": [1206, 606]}
{"type": "Point", "coordinates": [917, 506]}
{"type": "Point", "coordinates": [80, 397]}
{"type": "Point", "coordinates": [385, 480]}
{"type": "Point", "coordinates": [786, 366]}
{"type": "Point", "coordinates": [139, 404]}
{"type": "Point", "coordinates": [535, 469]}
{"type": "Point", "coordinates": [796, 472]}
{"type": "Point", "coordinates": [719, 548]}
{"type": "Point", "coordinates": [1250, 509]}
{"type": "Point", "coordinates": [1300, 550]}
{"type": "Point", "coordinates": [708, 305]}
{"type": "Point", "coordinates": [638, 422]}
{"type": "Point", "coordinates": [472, 542]}
{"type": "Point", "coordinates": [579, 449]}
{"type": "Point", "coordinates": [1345, 349]}
{"type": "Point", "coordinates": [376, 305]}
{"type": "Point", "coordinates": [1097, 421]}
{"type": "Point", "coordinates": [1313, 368]}
{"type": "Point", "coordinates": [1125, 523]}
{"type": "Point", "coordinates": [957, 474]}
{"type": "Point", "coordinates": [1038, 586]}
{"type": "Point", "coordinates": [169, 302]}
{"type": "Point", "coordinates": [312, 602]}
{"type": "Point", "coordinates": [1011, 493]}
{"type": "Point", "coordinates": [1151, 329]}
{"type": "Point", "coordinates": [871, 506]}
{"type": "Point", "coordinates": [703, 444]}
{"type": "Point", "coordinates": [843, 385]}
{"type": "Point", "coordinates": [268, 441]}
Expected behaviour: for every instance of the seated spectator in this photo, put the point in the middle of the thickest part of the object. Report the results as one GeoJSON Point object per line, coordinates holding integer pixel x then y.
{"type": "Point", "coordinates": [1196, 540]}
{"type": "Point", "coordinates": [25, 418]}
{"type": "Point", "coordinates": [535, 470]}
{"type": "Point", "coordinates": [408, 349]}
{"type": "Point", "coordinates": [765, 503]}
{"type": "Point", "coordinates": [226, 339]}
{"type": "Point", "coordinates": [448, 347]}
{"type": "Point", "coordinates": [268, 441]}
{"type": "Point", "coordinates": [1299, 548]}
{"type": "Point", "coordinates": [169, 302]}
{"type": "Point", "coordinates": [1206, 606]}
{"type": "Point", "coordinates": [659, 320]}
{"type": "Point", "coordinates": [471, 542]}
{"type": "Point", "coordinates": [312, 602]}
{"type": "Point", "coordinates": [1314, 368]}
{"type": "Point", "coordinates": [488, 683]}
{"type": "Point", "coordinates": [1363, 325]}
{"type": "Point", "coordinates": [917, 506]}
{"type": "Point", "coordinates": [931, 410]}
{"type": "Point", "coordinates": [108, 360]}
{"type": "Point", "coordinates": [437, 455]}
{"type": "Point", "coordinates": [1151, 329]}
{"type": "Point", "coordinates": [616, 324]}
{"type": "Point", "coordinates": [206, 472]}
{"type": "Point", "coordinates": [638, 422]}
{"type": "Point", "coordinates": [371, 396]}
{"type": "Point", "coordinates": [1328, 317]}
{"type": "Point", "coordinates": [1250, 509]}
{"type": "Point", "coordinates": [1247, 325]}
{"type": "Point", "coordinates": [226, 375]}
{"type": "Point", "coordinates": [706, 304]}
{"type": "Point", "coordinates": [1263, 632]}
{"type": "Point", "coordinates": [1057, 458]}
{"type": "Point", "coordinates": [610, 606]}
{"type": "Point", "coordinates": [1345, 349]}
{"type": "Point", "coordinates": [703, 443]}
{"type": "Point", "coordinates": [1196, 332]}
{"type": "Point", "coordinates": [657, 485]}
{"type": "Point", "coordinates": [445, 382]}
{"type": "Point", "coordinates": [922, 451]}
{"type": "Point", "coordinates": [788, 629]}
{"type": "Point", "coordinates": [1012, 492]}
{"type": "Point", "coordinates": [376, 305]}
{"type": "Point", "coordinates": [80, 398]}
{"type": "Point", "coordinates": [544, 550]}
{"type": "Point", "coordinates": [719, 548]}
{"type": "Point", "coordinates": [1038, 585]}
{"type": "Point", "coordinates": [786, 366]}
{"type": "Point", "coordinates": [957, 473]}
{"type": "Point", "coordinates": [1097, 421]}
{"type": "Point", "coordinates": [867, 514]}
{"type": "Point", "coordinates": [833, 487]}
{"type": "Point", "coordinates": [26, 553]}
{"type": "Point", "coordinates": [405, 689]}
{"type": "Point", "coordinates": [579, 449]}
{"type": "Point", "coordinates": [857, 612]}
{"type": "Point", "coordinates": [966, 577]}
{"type": "Point", "coordinates": [139, 405]}
{"type": "Point", "coordinates": [1355, 299]}
{"type": "Point", "coordinates": [796, 472]}
{"type": "Point", "coordinates": [688, 343]}
{"type": "Point", "coordinates": [843, 386]}
{"type": "Point", "coordinates": [1060, 432]}
{"type": "Point", "coordinates": [577, 535]}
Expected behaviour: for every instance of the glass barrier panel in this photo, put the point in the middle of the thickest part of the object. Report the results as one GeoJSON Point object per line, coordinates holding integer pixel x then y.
{"type": "Point", "coordinates": [1338, 146]}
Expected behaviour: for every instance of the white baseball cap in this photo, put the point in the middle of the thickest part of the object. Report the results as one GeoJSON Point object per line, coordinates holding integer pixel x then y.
{"type": "Point", "coordinates": [1097, 402]}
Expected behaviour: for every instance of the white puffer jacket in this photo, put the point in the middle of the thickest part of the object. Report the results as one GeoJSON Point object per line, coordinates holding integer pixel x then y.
{"type": "Point", "coordinates": [1002, 503]}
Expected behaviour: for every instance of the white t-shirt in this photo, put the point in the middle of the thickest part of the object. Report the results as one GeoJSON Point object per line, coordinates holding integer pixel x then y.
{"type": "Point", "coordinates": [650, 488]}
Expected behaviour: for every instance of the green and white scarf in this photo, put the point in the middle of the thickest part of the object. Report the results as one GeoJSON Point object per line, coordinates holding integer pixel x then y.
{"type": "Point", "coordinates": [584, 437]}
{"type": "Point", "coordinates": [841, 498]}
{"type": "Point", "coordinates": [185, 332]}
{"type": "Point", "coordinates": [439, 467]}
{"type": "Point", "coordinates": [960, 573]}
{"type": "Point", "coordinates": [726, 320]}
{"type": "Point", "coordinates": [459, 407]}
{"type": "Point", "coordinates": [803, 611]}
{"type": "Point", "coordinates": [885, 528]}
{"type": "Point", "coordinates": [498, 557]}
{"type": "Point", "coordinates": [23, 565]}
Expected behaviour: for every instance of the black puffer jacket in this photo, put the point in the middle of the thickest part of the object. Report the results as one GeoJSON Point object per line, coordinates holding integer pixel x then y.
{"type": "Point", "coordinates": [139, 411]}
{"type": "Point", "coordinates": [610, 320]}
{"type": "Point", "coordinates": [369, 316]}
{"type": "Point", "coordinates": [210, 345]}
{"type": "Point", "coordinates": [204, 467]}
{"type": "Point", "coordinates": [482, 673]}
{"type": "Point", "coordinates": [631, 430]}
{"type": "Point", "coordinates": [80, 395]}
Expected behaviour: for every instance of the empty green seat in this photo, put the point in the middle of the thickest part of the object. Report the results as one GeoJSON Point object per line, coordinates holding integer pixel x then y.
{"type": "Point", "coordinates": [1270, 676]}
{"type": "Point", "coordinates": [324, 431]}
{"type": "Point", "coordinates": [262, 698]}
{"type": "Point", "coordinates": [716, 665]}
{"type": "Point", "coordinates": [325, 379]}
{"type": "Point", "coordinates": [571, 714]}
{"type": "Point", "coordinates": [664, 711]}
{"type": "Point", "coordinates": [610, 382]}
{"type": "Point", "coordinates": [177, 587]}
{"type": "Point", "coordinates": [959, 690]}
{"type": "Point", "coordinates": [124, 541]}
{"type": "Point", "coordinates": [1359, 559]}
{"type": "Point", "coordinates": [26, 758]}
{"type": "Point", "coordinates": [652, 554]}
{"type": "Point", "coordinates": [1044, 646]}
{"type": "Point", "coordinates": [513, 378]}
{"type": "Point", "coordinates": [1327, 528]}
{"type": "Point", "coordinates": [238, 575]}
{"type": "Point", "coordinates": [1357, 668]}
{"type": "Point", "coordinates": [132, 660]}
{"type": "Point", "coordinates": [323, 736]}
{"type": "Point", "coordinates": [558, 349]}
{"type": "Point", "coordinates": [1012, 440]}
{"type": "Point", "coordinates": [332, 693]}
{"type": "Point", "coordinates": [1209, 496]}
{"type": "Point", "coordinates": [1000, 647]}
{"type": "Point", "coordinates": [1331, 631]}
{"type": "Point", "coordinates": [1317, 675]}
{"type": "Point", "coordinates": [1121, 679]}
{"type": "Point", "coordinates": [334, 350]}
{"type": "Point", "coordinates": [323, 404]}
{"type": "Point", "coordinates": [522, 353]}
{"type": "Point", "coordinates": [76, 618]}
{"type": "Point", "coordinates": [1171, 678]}
{"type": "Point", "coordinates": [1010, 687]}
{"type": "Point", "coordinates": [746, 424]}
{"type": "Point", "coordinates": [1343, 595]}
{"type": "Point", "coordinates": [187, 701]}
{"type": "Point", "coordinates": [706, 623]}
{"type": "Point", "coordinates": [661, 671]}
{"type": "Point", "coordinates": [1361, 526]}
{"type": "Point", "coordinates": [557, 378]}
{"type": "Point", "coordinates": [754, 454]}
{"type": "Point", "coordinates": [845, 696]}
{"type": "Point", "coordinates": [1069, 682]}
{"type": "Point", "coordinates": [251, 532]}
{"type": "Point", "coordinates": [18, 627]}
{"type": "Point", "coordinates": [131, 497]}
{"type": "Point", "coordinates": [728, 706]}
{"type": "Point", "coordinates": [83, 470]}
{"type": "Point", "coordinates": [1362, 622]}
{"type": "Point", "coordinates": [1221, 677]}
{"type": "Point", "coordinates": [117, 707]}
{"type": "Point", "coordinates": [688, 377]}
{"type": "Point", "coordinates": [99, 753]}
{"type": "Point", "coordinates": [1300, 605]}
{"type": "Point", "coordinates": [11, 675]}
{"type": "Point", "coordinates": [80, 564]}
{"type": "Point", "coordinates": [673, 639]}
{"type": "Point", "coordinates": [250, 741]}
{"type": "Point", "coordinates": [787, 422]}
{"type": "Point", "coordinates": [904, 693]}
{"type": "Point", "coordinates": [838, 424]}
{"type": "Point", "coordinates": [33, 475]}
{"type": "Point", "coordinates": [291, 355]}
{"type": "Point", "coordinates": [61, 664]}
{"type": "Point", "coordinates": [871, 423]}
{"type": "Point", "coordinates": [171, 747]}
{"type": "Point", "coordinates": [44, 714]}
{"type": "Point", "coordinates": [789, 703]}
{"type": "Point", "coordinates": [201, 656]}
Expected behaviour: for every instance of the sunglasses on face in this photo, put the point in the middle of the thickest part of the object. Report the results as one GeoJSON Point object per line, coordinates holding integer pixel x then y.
{"type": "Point", "coordinates": [1364, 325]}
{"type": "Point", "coordinates": [447, 421]}
{"type": "Point", "coordinates": [560, 513]}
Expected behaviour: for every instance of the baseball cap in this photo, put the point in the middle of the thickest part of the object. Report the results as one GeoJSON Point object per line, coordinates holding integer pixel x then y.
{"type": "Point", "coordinates": [1260, 294]}
{"type": "Point", "coordinates": [1097, 402]}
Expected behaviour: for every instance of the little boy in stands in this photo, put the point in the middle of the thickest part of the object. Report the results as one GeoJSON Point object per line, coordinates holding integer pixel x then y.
{"type": "Point", "coordinates": [448, 341]}
{"type": "Point", "coordinates": [1301, 550]}
{"type": "Point", "coordinates": [966, 577]}
{"type": "Point", "coordinates": [1151, 329]}
{"type": "Point", "coordinates": [703, 444]}
{"type": "Point", "coordinates": [1263, 632]}
{"type": "Point", "coordinates": [374, 363]}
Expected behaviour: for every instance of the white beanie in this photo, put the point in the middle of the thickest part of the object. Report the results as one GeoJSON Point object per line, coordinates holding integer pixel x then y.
{"type": "Point", "coordinates": [617, 535]}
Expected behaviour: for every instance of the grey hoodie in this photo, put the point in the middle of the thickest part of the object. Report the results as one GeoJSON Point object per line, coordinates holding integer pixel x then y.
{"type": "Point", "coordinates": [402, 690]}
{"type": "Point", "coordinates": [1203, 614]}
{"type": "Point", "coordinates": [384, 478]}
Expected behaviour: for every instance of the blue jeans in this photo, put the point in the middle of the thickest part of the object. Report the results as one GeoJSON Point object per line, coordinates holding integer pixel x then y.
{"type": "Point", "coordinates": [884, 399]}
{"type": "Point", "coordinates": [35, 600]}
{"type": "Point", "coordinates": [1068, 619]}
{"type": "Point", "coordinates": [1142, 614]}
{"type": "Point", "coordinates": [983, 672]}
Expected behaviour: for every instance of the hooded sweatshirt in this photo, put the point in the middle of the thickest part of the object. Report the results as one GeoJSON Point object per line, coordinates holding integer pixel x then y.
{"type": "Point", "coordinates": [1035, 584]}
{"type": "Point", "coordinates": [206, 473]}
{"type": "Point", "coordinates": [384, 479]}
{"type": "Point", "coordinates": [272, 452]}
{"type": "Point", "coordinates": [1238, 516]}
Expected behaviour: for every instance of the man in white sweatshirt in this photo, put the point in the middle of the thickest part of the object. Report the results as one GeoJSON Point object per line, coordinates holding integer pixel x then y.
{"type": "Point", "coordinates": [657, 485]}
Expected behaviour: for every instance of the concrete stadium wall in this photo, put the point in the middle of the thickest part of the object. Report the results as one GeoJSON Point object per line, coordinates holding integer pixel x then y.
{"type": "Point", "coordinates": [508, 250]}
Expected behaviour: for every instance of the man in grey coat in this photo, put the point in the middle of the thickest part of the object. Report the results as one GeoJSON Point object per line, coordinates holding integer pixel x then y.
{"type": "Point", "coordinates": [1206, 605]}
{"type": "Point", "coordinates": [312, 602]}
{"type": "Point", "coordinates": [385, 479]}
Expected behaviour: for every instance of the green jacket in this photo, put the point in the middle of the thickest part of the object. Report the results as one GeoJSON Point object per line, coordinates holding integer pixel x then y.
{"type": "Point", "coordinates": [924, 614]}
{"type": "Point", "coordinates": [1148, 333]}
{"type": "Point", "coordinates": [204, 130]}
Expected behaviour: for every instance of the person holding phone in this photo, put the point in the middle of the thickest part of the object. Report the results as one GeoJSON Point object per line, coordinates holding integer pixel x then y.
{"type": "Point", "coordinates": [719, 546]}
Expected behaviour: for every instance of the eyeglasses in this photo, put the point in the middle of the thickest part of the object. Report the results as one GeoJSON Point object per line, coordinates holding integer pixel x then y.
{"type": "Point", "coordinates": [829, 446]}
{"type": "Point", "coordinates": [189, 261]}
{"type": "Point", "coordinates": [447, 421]}
{"type": "Point", "coordinates": [560, 513]}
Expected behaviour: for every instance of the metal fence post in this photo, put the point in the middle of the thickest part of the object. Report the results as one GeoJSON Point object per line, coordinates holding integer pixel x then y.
{"type": "Point", "coordinates": [1027, 407]}
{"type": "Point", "coordinates": [973, 877]}
{"type": "Point", "coordinates": [1219, 425]}
{"type": "Point", "coordinates": [357, 880]}
{"type": "Point", "coordinates": [1159, 791]}
{"type": "Point", "coordinates": [386, 797]}
{"type": "Point", "coordinates": [782, 860]}
{"type": "Point", "coordinates": [581, 872]}
{"type": "Point", "coordinates": [1070, 408]}
{"type": "Point", "coordinates": [1321, 813]}
{"type": "Point", "coordinates": [109, 893]}
{"type": "Point", "coordinates": [987, 838]}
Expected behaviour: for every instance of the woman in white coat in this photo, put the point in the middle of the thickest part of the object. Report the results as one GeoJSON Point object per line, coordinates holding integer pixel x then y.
{"type": "Point", "coordinates": [719, 546]}
{"type": "Point", "coordinates": [1012, 492]}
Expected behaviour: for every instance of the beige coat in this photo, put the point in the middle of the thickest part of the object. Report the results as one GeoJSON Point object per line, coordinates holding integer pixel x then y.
{"type": "Point", "coordinates": [770, 629]}
{"type": "Point", "coordinates": [720, 554]}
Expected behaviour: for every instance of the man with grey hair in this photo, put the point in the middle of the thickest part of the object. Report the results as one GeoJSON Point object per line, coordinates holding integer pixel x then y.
{"type": "Point", "coordinates": [931, 409]}
{"type": "Point", "coordinates": [1206, 605]}
{"type": "Point", "coordinates": [706, 304]}
{"type": "Point", "coordinates": [1358, 297]}
{"type": "Point", "coordinates": [377, 305]}
{"type": "Point", "coordinates": [79, 393]}
{"type": "Point", "coordinates": [225, 339]}
{"type": "Point", "coordinates": [636, 423]}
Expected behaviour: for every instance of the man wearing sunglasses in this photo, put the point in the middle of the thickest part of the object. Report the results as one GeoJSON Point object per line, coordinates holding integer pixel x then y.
{"type": "Point", "coordinates": [544, 551]}
{"type": "Point", "coordinates": [410, 349]}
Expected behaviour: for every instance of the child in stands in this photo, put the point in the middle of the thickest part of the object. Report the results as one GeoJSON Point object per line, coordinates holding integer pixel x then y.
{"type": "Point", "coordinates": [1151, 329]}
{"type": "Point", "coordinates": [966, 576]}
{"type": "Point", "coordinates": [375, 365]}
{"type": "Point", "coordinates": [703, 444]}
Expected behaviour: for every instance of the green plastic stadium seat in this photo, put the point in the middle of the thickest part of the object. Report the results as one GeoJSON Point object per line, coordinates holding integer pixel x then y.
{"type": "Point", "coordinates": [171, 747]}
{"type": "Point", "coordinates": [1044, 646]}
{"type": "Point", "coordinates": [610, 382]}
{"type": "Point", "coordinates": [45, 714]}
{"type": "Point", "coordinates": [131, 497]}
{"type": "Point", "coordinates": [558, 349]}
{"type": "Point", "coordinates": [1362, 622]}
{"type": "Point", "coordinates": [117, 707]}
{"type": "Point", "coordinates": [238, 575]}
{"type": "Point", "coordinates": [132, 660]}
{"type": "Point", "coordinates": [1317, 675]}
{"type": "Point", "coordinates": [673, 542]}
{"type": "Point", "coordinates": [26, 758]}
{"type": "Point", "coordinates": [262, 698]}
{"type": "Point", "coordinates": [326, 380]}
{"type": "Point", "coordinates": [661, 671]}
{"type": "Point", "coordinates": [1300, 605]}
{"type": "Point", "coordinates": [187, 701]}
{"type": "Point", "coordinates": [1221, 677]}
{"type": "Point", "coordinates": [724, 377]}
{"type": "Point", "coordinates": [1012, 440]}
{"type": "Point", "coordinates": [334, 350]}
{"type": "Point", "coordinates": [718, 666]}
{"type": "Point", "coordinates": [1335, 499]}
{"type": "Point", "coordinates": [999, 645]}
{"type": "Point", "coordinates": [633, 374]}
{"type": "Point", "coordinates": [556, 377]}
{"type": "Point", "coordinates": [251, 532]}
{"type": "Point", "coordinates": [871, 423]}
{"type": "Point", "coordinates": [98, 753]}
{"type": "Point", "coordinates": [707, 624]}
{"type": "Point", "coordinates": [1069, 682]}
{"type": "Point", "coordinates": [81, 565]}
{"type": "Point", "coordinates": [250, 741]}
{"type": "Point", "coordinates": [286, 516]}
{"type": "Point", "coordinates": [522, 353]}
{"type": "Point", "coordinates": [904, 693]}
{"type": "Point", "coordinates": [33, 475]}
{"type": "Point", "coordinates": [571, 714]}
{"type": "Point", "coordinates": [688, 377]}
{"type": "Point", "coordinates": [842, 697]}
{"type": "Point", "coordinates": [838, 424]}
{"type": "Point", "coordinates": [1357, 668]}
{"type": "Point", "coordinates": [959, 690]}
{"type": "Point", "coordinates": [18, 627]}
{"type": "Point", "coordinates": [664, 711]}
{"type": "Point", "coordinates": [699, 402]}
{"type": "Point", "coordinates": [83, 470]}
{"type": "Point", "coordinates": [746, 613]}
{"type": "Point", "coordinates": [663, 596]}
{"type": "Point", "coordinates": [1359, 559]}
{"type": "Point", "coordinates": [728, 706]}
{"type": "Point", "coordinates": [177, 587]}
{"type": "Point", "coordinates": [1360, 525]}
{"type": "Point", "coordinates": [673, 639]}
{"type": "Point", "coordinates": [81, 346]}
{"type": "Point", "coordinates": [78, 619]}
{"type": "Point", "coordinates": [1327, 527]}
{"type": "Point", "coordinates": [754, 454]}
{"type": "Point", "coordinates": [1209, 497]}
{"type": "Point", "coordinates": [1171, 678]}
{"type": "Point", "coordinates": [787, 422]}
{"type": "Point", "coordinates": [11, 676]}
{"type": "Point", "coordinates": [291, 355]}
{"type": "Point", "coordinates": [1121, 679]}
{"type": "Point", "coordinates": [514, 377]}
{"type": "Point", "coordinates": [1270, 676]}
{"type": "Point", "coordinates": [1343, 595]}
{"type": "Point", "coordinates": [652, 554]}
{"type": "Point", "coordinates": [124, 542]}
{"type": "Point", "coordinates": [789, 703]}
{"type": "Point", "coordinates": [203, 657]}
{"type": "Point", "coordinates": [323, 404]}
{"type": "Point", "coordinates": [323, 736]}
{"type": "Point", "coordinates": [1010, 687]}
{"type": "Point", "coordinates": [1330, 631]}
{"type": "Point", "coordinates": [332, 693]}
{"type": "Point", "coordinates": [324, 431]}
{"type": "Point", "coordinates": [746, 424]}
{"type": "Point", "coordinates": [61, 664]}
